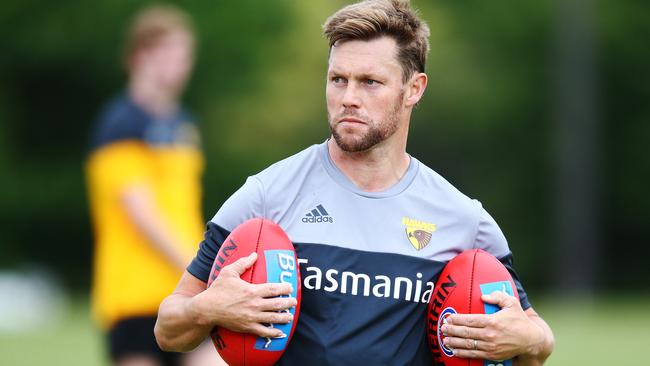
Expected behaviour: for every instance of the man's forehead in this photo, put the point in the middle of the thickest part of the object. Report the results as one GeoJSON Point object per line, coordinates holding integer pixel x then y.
{"type": "Point", "coordinates": [378, 53]}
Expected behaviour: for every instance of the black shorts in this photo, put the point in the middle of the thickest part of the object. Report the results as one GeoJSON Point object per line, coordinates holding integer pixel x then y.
{"type": "Point", "coordinates": [134, 337]}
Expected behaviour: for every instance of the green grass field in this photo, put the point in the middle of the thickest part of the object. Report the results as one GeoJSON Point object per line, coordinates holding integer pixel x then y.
{"type": "Point", "coordinates": [602, 332]}
{"type": "Point", "coordinates": [74, 342]}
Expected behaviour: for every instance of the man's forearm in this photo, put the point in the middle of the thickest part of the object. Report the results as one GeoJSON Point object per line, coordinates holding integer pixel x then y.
{"type": "Point", "coordinates": [538, 354]}
{"type": "Point", "coordinates": [177, 329]}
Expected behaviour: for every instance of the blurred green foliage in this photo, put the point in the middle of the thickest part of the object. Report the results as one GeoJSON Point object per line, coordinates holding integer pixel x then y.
{"type": "Point", "coordinates": [258, 89]}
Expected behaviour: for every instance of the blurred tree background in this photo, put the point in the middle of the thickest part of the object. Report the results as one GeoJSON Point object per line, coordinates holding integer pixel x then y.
{"type": "Point", "coordinates": [491, 121]}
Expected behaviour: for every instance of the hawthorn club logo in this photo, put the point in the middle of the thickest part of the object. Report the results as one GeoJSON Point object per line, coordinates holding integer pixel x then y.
{"type": "Point", "coordinates": [418, 232]}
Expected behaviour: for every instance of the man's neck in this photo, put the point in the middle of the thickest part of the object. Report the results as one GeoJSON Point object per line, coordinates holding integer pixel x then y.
{"type": "Point", "coordinates": [151, 98]}
{"type": "Point", "coordinates": [374, 170]}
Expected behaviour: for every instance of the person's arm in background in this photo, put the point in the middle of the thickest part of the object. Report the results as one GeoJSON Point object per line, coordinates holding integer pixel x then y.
{"type": "Point", "coordinates": [140, 206]}
{"type": "Point", "coordinates": [188, 315]}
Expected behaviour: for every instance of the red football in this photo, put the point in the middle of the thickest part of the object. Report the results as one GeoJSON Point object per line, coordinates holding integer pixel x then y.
{"type": "Point", "coordinates": [458, 290]}
{"type": "Point", "coordinates": [276, 263]}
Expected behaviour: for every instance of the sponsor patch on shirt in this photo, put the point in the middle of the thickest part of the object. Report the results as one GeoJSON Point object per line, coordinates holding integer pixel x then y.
{"type": "Point", "coordinates": [418, 232]}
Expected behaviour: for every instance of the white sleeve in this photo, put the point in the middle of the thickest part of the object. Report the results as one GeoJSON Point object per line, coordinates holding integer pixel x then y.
{"type": "Point", "coordinates": [246, 203]}
{"type": "Point", "coordinates": [489, 236]}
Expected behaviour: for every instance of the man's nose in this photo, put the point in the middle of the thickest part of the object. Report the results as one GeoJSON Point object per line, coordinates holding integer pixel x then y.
{"type": "Point", "coordinates": [351, 97]}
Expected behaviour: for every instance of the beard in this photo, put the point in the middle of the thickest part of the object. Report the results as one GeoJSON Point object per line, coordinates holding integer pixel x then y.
{"type": "Point", "coordinates": [375, 133]}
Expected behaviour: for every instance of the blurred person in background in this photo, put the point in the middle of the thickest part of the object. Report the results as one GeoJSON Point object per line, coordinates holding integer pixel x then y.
{"type": "Point", "coordinates": [143, 176]}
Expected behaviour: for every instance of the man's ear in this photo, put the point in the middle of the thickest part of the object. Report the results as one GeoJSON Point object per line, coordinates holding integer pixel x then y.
{"type": "Point", "coordinates": [415, 88]}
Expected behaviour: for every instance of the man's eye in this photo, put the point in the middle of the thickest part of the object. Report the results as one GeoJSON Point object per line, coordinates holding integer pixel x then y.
{"type": "Point", "coordinates": [337, 80]}
{"type": "Point", "coordinates": [372, 82]}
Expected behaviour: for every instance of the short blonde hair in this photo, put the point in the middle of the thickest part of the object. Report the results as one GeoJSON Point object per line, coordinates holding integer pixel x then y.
{"type": "Point", "coordinates": [372, 19]}
{"type": "Point", "coordinates": [154, 23]}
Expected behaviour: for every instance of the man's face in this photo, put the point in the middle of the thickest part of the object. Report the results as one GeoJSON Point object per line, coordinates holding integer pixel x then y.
{"type": "Point", "coordinates": [168, 62]}
{"type": "Point", "coordinates": [365, 93]}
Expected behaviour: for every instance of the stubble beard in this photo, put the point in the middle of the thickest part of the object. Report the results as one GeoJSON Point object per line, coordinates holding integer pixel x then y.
{"type": "Point", "coordinates": [375, 133]}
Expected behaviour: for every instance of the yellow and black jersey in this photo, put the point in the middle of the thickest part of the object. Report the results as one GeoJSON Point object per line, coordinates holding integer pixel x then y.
{"type": "Point", "coordinates": [131, 147]}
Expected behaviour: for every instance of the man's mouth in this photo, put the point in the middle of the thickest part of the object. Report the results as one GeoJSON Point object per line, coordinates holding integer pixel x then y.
{"type": "Point", "coordinates": [351, 120]}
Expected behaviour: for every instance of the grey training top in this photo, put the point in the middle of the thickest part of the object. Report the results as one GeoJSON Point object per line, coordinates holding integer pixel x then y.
{"type": "Point", "coordinates": [368, 260]}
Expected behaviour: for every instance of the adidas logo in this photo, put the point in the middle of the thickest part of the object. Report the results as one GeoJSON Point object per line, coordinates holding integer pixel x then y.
{"type": "Point", "coordinates": [319, 214]}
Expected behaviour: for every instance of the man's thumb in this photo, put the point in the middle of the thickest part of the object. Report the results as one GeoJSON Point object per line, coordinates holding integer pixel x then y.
{"type": "Point", "coordinates": [500, 298]}
{"type": "Point", "coordinates": [238, 267]}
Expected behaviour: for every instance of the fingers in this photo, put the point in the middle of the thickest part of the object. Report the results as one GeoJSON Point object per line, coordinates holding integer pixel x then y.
{"type": "Point", "coordinates": [471, 348]}
{"type": "Point", "coordinates": [267, 332]}
{"type": "Point", "coordinates": [237, 268]}
{"type": "Point", "coordinates": [462, 343]}
{"type": "Point", "coordinates": [470, 353]}
{"type": "Point", "coordinates": [277, 304]}
{"type": "Point", "coordinates": [483, 351]}
{"type": "Point", "coordinates": [273, 289]}
{"type": "Point", "coordinates": [463, 332]}
{"type": "Point", "coordinates": [273, 317]}
{"type": "Point", "coordinates": [463, 336]}
{"type": "Point", "coordinates": [469, 320]}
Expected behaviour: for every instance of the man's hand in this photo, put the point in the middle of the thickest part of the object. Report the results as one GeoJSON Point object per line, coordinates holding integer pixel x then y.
{"type": "Point", "coordinates": [235, 304]}
{"type": "Point", "coordinates": [499, 336]}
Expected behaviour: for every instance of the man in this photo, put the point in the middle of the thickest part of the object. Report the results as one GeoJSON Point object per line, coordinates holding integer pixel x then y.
{"type": "Point", "coordinates": [372, 226]}
{"type": "Point", "coordinates": [144, 175]}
